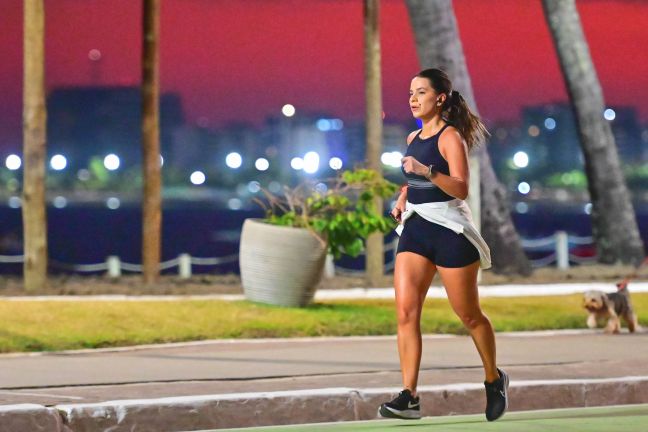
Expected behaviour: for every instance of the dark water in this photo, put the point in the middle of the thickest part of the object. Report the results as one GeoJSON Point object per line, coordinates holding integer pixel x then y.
{"type": "Point", "coordinates": [88, 234]}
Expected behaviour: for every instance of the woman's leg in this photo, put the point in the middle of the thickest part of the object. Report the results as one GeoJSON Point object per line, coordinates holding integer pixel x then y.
{"type": "Point", "coordinates": [413, 275]}
{"type": "Point", "coordinates": [461, 287]}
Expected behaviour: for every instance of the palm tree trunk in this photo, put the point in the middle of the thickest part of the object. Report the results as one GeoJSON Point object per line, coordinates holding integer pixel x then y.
{"type": "Point", "coordinates": [34, 147]}
{"type": "Point", "coordinates": [152, 201]}
{"type": "Point", "coordinates": [614, 225]}
{"type": "Point", "coordinates": [375, 263]}
{"type": "Point", "coordinates": [438, 45]}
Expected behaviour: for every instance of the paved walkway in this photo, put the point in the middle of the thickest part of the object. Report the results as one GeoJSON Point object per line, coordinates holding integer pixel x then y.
{"type": "Point", "coordinates": [290, 364]}
{"type": "Point", "coordinates": [357, 370]}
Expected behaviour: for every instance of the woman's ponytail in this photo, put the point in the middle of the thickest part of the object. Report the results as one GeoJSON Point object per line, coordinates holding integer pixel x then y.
{"type": "Point", "coordinates": [464, 120]}
{"type": "Point", "coordinates": [455, 110]}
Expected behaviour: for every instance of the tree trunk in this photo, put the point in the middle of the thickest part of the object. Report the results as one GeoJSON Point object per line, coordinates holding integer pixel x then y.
{"type": "Point", "coordinates": [614, 225]}
{"type": "Point", "coordinates": [34, 145]}
{"type": "Point", "coordinates": [152, 201]}
{"type": "Point", "coordinates": [438, 45]}
{"type": "Point", "coordinates": [375, 262]}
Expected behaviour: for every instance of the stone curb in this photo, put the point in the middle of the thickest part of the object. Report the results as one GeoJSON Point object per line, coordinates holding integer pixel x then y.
{"type": "Point", "coordinates": [30, 417]}
{"type": "Point", "coordinates": [308, 406]}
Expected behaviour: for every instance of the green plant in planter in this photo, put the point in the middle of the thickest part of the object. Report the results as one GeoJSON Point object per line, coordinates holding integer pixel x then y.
{"type": "Point", "coordinates": [343, 214]}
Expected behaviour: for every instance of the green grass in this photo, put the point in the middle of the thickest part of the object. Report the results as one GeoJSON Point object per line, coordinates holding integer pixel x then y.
{"type": "Point", "coordinates": [60, 325]}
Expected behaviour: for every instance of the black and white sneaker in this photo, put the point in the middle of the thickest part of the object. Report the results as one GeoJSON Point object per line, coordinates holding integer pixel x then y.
{"type": "Point", "coordinates": [497, 396]}
{"type": "Point", "coordinates": [404, 406]}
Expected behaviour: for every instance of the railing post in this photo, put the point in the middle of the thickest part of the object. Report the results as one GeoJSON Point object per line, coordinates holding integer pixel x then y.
{"type": "Point", "coordinates": [184, 266]}
{"type": "Point", "coordinates": [329, 266]}
{"type": "Point", "coordinates": [114, 266]}
{"type": "Point", "coordinates": [562, 250]}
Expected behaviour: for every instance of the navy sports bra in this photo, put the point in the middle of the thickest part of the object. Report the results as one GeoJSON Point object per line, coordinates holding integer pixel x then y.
{"type": "Point", "coordinates": [426, 151]}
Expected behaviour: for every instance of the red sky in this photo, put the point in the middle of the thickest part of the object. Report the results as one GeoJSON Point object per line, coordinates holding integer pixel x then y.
{"type": "Point", "coordinates": [235, 59]}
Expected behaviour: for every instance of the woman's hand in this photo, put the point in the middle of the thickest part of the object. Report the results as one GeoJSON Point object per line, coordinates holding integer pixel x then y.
{"type": "Point", "coordinates": [398, 209]}
{"type": "Point", "coordinates": [412, 166]}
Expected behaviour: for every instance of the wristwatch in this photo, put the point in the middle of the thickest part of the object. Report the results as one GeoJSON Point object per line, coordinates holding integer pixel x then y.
{"type": "Point", "coordinates": [431, 172]}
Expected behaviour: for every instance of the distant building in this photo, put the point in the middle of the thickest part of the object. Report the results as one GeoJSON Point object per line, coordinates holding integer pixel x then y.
{"type": "Point", "coordinates": [83, 122]}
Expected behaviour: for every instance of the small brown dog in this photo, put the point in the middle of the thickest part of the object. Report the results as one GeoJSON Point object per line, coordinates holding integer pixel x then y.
{"type": "Point", "coordinates": [612, 307]}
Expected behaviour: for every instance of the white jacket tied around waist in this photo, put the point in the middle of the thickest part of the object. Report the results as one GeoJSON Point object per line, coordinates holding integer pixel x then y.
{"type": "Point", "coordinates": [454, 215]}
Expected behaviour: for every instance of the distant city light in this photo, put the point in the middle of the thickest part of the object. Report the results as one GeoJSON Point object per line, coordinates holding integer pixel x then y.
{"type": "Point", "coordinates": [550, 123]}
{"type": "Point", "coordinates": [233, 160]}
{"type": "Point", "coordinates": [392, 159]}
{"type": "Point", "coordinates": [534, 131]}
{"type": "Point", "coordinates": [521, 159]}
{"type": "Point", "coordinates": [13, 162]}
{"type": "Point", "coordinates": [234, 204]}
{"type": "Point", "coordinates": [58, 162]}
{"type": "Point", "coordinates": [111, 162]}
{"type": "Point", "coordinates": [94, 54]}
{"type": "Point", "coordinates": [83, 174]}
{"type": "Point", "coordinates": [609, 114]}
{"type": "Point", "coordinates": [60, 202]}
{"type": "Point", "coordinates": [15, 202]}
{"type": "Point", "coordinates": [311, 162]}
{"type": "Point", "coordinates": [588, 208]}
{"type": "Point", "coordinates": [324, 125]}
{"type": "Point", "coordinates": [274, 187]}
{"type": "Point", "coordinates": [113, 203]}
{"type": "Point", "coordinates": [297, 163]}
{"type": "Point", "coordinates": [197, 177]}
{"type": "Point", "coordinates": [262, 164]}
{"type": "Point", "coordinates": [254, 186]}
{"type": "Point", "coordinates": [524, 188]}
{"type": "Point", "coordinates": [288, 110]}
{"type": "Point", "coordinates": [521, 207]}
{"type": "Point", "coordinates": [335, 163]}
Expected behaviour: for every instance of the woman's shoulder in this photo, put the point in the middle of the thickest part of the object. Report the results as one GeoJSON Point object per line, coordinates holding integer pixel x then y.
{"type": "Point", "coordinates": [450, 133]}
{"type": "Point", "coordinates": [450, 136]}
{"type": "Point", "coordinates": [412, 135]}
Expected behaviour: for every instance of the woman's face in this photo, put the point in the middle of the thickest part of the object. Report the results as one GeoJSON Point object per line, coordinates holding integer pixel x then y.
{"type": "Point", "coordinates": [424, 99]}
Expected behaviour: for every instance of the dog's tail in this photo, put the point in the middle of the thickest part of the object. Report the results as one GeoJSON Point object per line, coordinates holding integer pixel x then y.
{"type": "Point", "coordinates": [623, 285]}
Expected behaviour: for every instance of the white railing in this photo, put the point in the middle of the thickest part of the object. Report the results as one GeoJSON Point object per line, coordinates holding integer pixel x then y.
{"type": "Point", "coordinates": [113, 266]}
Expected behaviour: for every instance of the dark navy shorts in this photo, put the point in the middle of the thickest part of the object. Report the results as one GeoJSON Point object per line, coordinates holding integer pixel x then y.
{"type": "Point", "coordinates": [439, 244]}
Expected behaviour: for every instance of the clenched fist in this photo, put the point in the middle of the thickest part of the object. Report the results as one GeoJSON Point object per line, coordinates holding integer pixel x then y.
{"type": "Point", "coordinates": [412, 166]}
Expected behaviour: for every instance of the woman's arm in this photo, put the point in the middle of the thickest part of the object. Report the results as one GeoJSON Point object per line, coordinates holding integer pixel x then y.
{"type": "Point", "coordinates": [402, 196]}
{"type": "Point", "coordinates": [455, 152]}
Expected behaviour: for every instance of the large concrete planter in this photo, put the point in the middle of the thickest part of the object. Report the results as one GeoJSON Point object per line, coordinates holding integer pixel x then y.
{"type": "Point", "coordinates": [280, 265]}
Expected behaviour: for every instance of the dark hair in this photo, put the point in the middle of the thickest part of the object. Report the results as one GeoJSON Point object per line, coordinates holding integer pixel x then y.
{"type": "Point", "coordinates": [455, 110]}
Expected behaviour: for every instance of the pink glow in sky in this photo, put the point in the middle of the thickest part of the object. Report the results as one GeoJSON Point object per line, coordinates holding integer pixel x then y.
{"type": "Point", "coordinates": [242, 60]}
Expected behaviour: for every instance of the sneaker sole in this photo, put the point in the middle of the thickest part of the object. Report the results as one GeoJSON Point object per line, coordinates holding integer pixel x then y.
{"type": "Point", "coordinates": [387, 412]}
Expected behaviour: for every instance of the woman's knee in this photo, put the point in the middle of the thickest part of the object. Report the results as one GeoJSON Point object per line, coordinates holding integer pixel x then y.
{"type": "Point", "coordinates": [472, 319]}
{"type": "Point", "coordinates": [408, 314]}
